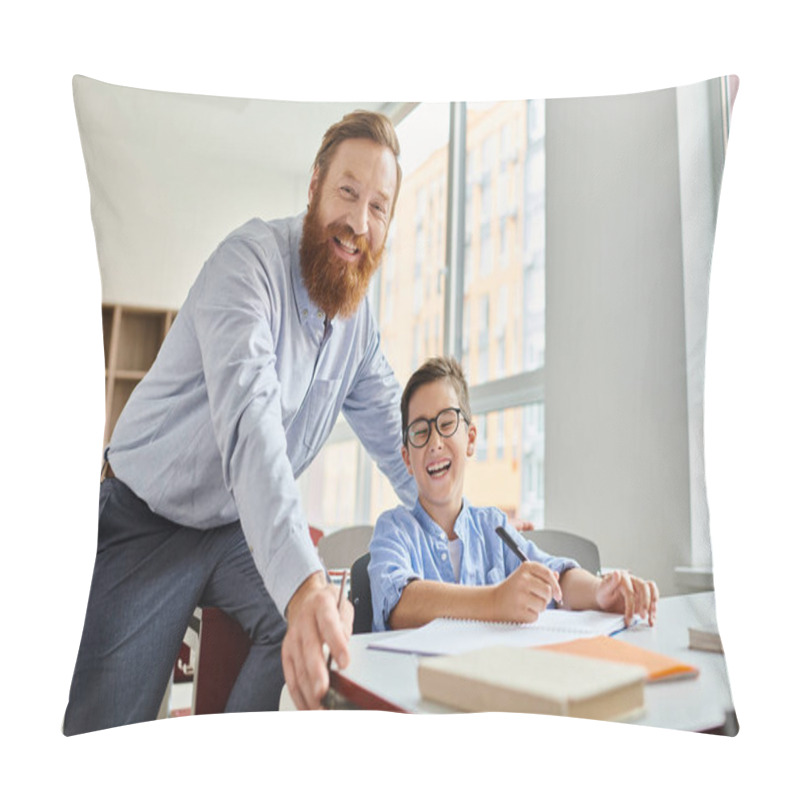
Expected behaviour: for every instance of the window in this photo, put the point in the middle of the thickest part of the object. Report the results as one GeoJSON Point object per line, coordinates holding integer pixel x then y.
{"type": "Point", "coordinates": [468, 260]}
{"type": "Point", "coordinates": [466, 327]}
{"type": "Point", "coordinates": [385, 277]}
{"type": "Point", "coordinates": [483, 338]}
{"type": "Point", "coordinates": [502, 192]}
{"type": "Point", "coordinates": [501, 339]}
{"type": "Point", "coordinates": [504, 256]}
{"type": "Point", "coordinates": [500, 436]}
{"type": "Point", "coordinates": [482, 439]}
{"type": "Point", "coordinates": [483, 221]}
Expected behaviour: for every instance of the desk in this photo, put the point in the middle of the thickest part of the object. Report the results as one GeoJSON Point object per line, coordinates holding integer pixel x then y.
{"type": "Point", "coordinates": [698, 704]}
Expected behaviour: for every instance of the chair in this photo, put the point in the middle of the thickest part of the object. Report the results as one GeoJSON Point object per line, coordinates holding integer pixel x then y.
{"type": "Point", "coordinates": [222, 649]}
{"type": "Point", "coordinates": [218, 647]}
{"type": "Point", "coordinates": [316, 534]}
{"type": "Point", "coordinates": [562, 543]}
{"type": "Point", "coordinates": [360, 595]}
{"type": "Point", "coordinates": [339, 549]}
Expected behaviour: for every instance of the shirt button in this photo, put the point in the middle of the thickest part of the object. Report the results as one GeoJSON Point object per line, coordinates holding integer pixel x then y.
{"type": "Point", "coordinates": [319, 314]}
{"type": "Point", "coordinates": [444, 556]}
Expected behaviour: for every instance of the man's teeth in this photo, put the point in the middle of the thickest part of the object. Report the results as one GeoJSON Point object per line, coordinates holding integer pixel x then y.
{"type": "Point", "coordinates": [438, 469]}
{"type": "Point", "coordinates": [350, 248]}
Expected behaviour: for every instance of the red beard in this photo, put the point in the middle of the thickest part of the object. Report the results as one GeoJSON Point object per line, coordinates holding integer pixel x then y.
{"type": "Point", "coordinates": [335, 285]}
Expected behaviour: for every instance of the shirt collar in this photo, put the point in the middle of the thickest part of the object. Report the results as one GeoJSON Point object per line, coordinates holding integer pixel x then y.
{"type": "Point", "coordinates": [461, 527]}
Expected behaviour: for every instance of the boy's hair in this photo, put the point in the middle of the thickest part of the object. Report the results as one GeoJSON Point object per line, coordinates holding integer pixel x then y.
{"type": "Point", "coordinates": [436, 369]}
{"type": "Point", "coordinates": [359, 125]}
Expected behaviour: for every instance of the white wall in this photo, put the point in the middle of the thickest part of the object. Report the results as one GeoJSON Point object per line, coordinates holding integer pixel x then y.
{"type": "Point", "coordinates": [617, 462]}
{"type": "Point", "coordinates": [172, 174]}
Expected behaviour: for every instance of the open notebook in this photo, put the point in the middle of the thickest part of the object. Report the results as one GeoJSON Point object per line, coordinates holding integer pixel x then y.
{"type": "Point", "coordinates": [446, 636]}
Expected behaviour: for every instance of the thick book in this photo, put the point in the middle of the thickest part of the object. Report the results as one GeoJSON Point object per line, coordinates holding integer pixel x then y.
{"type": "Point", "coordinates": [705, 638]}
{"type": "Point", "coordinates": [534, 681]}
{"type": "Point", "coordinates": [446, 636]}
{"type": "Point", "coordinates": [658, 666]}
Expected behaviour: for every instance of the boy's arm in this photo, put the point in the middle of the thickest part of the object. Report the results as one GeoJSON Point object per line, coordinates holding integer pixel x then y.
{"type": "Point", "coordinates": [519, 598]}
{"type": "Point", "coordinates": [617, 591]}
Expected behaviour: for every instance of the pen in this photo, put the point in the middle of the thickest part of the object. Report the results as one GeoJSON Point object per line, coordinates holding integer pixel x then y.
{"type": "Point", "coordinates": [514, 548]}
{"type": "Point", "coordinates": [338, 605]}
{"type": "Point", "coordinates": [333, 699]}
{"type": "Point", "coordinates": [510, 543]}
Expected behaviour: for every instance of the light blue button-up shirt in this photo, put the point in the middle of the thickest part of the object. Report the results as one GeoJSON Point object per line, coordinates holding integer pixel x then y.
{"type": "Point", "coordinates": [244, 392]}
{"type": "Point", "coordinates": [408, 545]}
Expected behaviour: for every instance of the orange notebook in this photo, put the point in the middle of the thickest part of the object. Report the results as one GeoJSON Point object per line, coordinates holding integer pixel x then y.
{"type": "Point", "coordinates": [659, 667]}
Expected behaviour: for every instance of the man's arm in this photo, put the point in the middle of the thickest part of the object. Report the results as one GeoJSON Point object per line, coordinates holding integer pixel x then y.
{"type": "Point", "coordinates": [372, 409]}
{"type": "Point", "coordinates": [234, 306]}
{"type": "Point", "coordinates": [234, 310]}
{"type": "Point", "coordinates": [313, 619]}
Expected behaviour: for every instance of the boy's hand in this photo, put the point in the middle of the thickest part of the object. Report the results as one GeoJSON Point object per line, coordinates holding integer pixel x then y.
{"type": "Point", "coordinates": [524, 594]}
{"type": "Point", "coordinates": [314, 618]}
{"type": "Point", "coordinates": [623, 593]}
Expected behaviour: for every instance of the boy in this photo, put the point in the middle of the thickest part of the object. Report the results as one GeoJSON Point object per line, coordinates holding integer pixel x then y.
{"type": "Point", "coordinates": [443, 558]}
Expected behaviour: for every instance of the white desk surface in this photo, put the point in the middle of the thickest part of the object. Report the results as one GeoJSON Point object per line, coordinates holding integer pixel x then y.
{"type": "Point", "coordinates": [699, 704]}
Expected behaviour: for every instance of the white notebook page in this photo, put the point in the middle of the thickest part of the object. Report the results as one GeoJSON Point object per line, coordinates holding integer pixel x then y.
{"type": "Point", "coordinates": [446, 636]}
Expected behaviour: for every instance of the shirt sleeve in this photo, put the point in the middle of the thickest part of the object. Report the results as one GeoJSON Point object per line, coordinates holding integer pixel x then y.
{"type": "Point", "coordinates": [372, 408]}
{"type": "Point", "coordinates": [236, 310]}
{"type": "Point", "coordinates": [391, 567]}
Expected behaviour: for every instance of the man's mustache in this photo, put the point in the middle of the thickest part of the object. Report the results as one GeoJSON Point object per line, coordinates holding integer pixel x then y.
{"type": "Point", "coordinates": [346, 235]}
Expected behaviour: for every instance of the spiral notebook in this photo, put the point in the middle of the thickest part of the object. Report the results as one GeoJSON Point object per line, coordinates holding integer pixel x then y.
{"type": "Point", "coordinates": [445, 636]}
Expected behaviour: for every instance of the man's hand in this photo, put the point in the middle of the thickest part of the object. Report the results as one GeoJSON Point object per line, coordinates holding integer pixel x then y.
{"type": "Point", "coordinates": [525, 593]}
{"type": "Point", "coordinates": [313, 618]}
{"type": "Point", "coordinates": [623, 593]}
{"type": "Point", "coordinates": [521, 524]}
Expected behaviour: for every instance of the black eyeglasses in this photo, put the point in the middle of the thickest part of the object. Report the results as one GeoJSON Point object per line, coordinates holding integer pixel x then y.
{"type": "Point", "coordinates": [418, 432]}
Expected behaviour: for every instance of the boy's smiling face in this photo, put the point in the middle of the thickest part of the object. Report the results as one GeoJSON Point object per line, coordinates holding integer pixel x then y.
{"type": "Point", "coordinates": [438, 466]}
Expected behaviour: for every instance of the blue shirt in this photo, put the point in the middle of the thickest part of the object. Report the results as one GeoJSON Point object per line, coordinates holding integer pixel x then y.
{"type": "Point", "coordinates": [408, 544]}
{"type": "Point", "coordinates": [244, 392]}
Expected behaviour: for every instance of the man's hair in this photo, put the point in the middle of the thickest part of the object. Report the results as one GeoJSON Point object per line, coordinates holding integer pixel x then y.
{"type": "Point", "coordinates": [436, 369]}
{"type": "Point", "coordinates": [359, 125]}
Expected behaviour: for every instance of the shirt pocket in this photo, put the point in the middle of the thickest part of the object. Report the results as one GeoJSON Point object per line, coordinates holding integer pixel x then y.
{"type": "Point", "coordinates": [320, 410]}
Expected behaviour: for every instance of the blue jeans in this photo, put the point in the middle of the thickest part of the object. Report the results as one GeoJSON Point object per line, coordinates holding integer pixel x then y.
{"type": "Point", "coordinates": [149, 575]}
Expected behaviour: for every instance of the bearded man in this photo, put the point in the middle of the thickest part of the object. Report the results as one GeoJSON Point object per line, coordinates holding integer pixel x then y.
{"type": "Point", "coordinates": [200, 505]}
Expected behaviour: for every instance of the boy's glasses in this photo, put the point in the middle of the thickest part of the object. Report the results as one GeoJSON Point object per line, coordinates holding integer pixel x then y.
{"type": "Point", "coordinates": [446, 421]}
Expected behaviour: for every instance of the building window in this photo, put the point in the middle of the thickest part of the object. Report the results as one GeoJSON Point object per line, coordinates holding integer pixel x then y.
{"type": "Point", "coordinates": [482, 439]}
{"type": "Point", "coordinates": [503, 159]}
{"type": "Point", "coordinates": [500, 436]}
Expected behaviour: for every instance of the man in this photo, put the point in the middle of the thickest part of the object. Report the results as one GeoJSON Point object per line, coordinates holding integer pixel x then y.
{"type": "Point", "coordinates": [274, 339]}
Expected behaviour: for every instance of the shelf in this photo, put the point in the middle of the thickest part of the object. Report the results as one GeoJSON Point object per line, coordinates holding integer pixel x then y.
{"type": "Point", "coordinates": [130, 374]}
{"type": "Point", "coordinates": [140, 336]}
{"type": "Point", "coordinates": [121, 392]}
{"type": "Point", "coordinates": [132, 338]}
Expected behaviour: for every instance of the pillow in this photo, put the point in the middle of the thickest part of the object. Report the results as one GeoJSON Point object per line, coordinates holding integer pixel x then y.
{"type": "Point", "coordinates": [629, 192]}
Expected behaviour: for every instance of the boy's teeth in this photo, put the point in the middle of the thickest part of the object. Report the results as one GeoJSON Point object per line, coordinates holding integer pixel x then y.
{"type": "Point", "coordinates": [438, 468]}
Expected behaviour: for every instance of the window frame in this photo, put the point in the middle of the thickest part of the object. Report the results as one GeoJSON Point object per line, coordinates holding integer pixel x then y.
{"type": "Point", "coordinates": [523, 388]}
